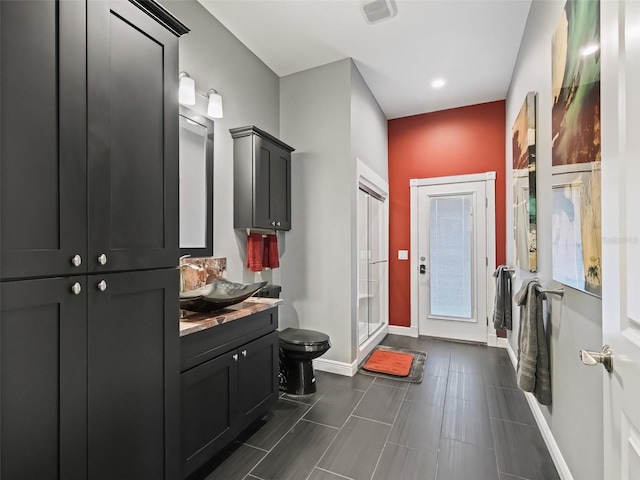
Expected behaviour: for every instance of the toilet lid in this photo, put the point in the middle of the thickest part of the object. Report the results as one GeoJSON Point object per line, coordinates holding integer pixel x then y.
{"type": "Point", "coordinates": [299, 336]}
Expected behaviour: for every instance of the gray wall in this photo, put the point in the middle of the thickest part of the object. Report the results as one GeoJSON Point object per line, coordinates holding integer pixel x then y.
{"type": "Point", "coordinates": [369, 144]}
{"type": "Point", "coordinates": [315, 118]}
{"type": "Point", "coordinates": [331, 117]}
{"type": "Point", "coordinates": [368, 127]}
{"type": "Point", "coordinates": [575, 417]}
{"type": "Point", "coordinates": [250, 95]}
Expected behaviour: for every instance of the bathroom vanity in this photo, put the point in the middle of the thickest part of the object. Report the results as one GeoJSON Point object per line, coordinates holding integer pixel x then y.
{"type": "Point", "coordinates": [229, 375]}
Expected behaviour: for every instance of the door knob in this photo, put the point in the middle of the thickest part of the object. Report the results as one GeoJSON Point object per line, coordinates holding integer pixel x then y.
{"type": "Point", "coordinates": [102, 285]}
{"type": "Point", "coordinates": [605, 357]}
{"type": "Point", "coordinates": [423, 269]}
{"type": "Point", "coordinates": [76, 260]}
{"type": "Point", "coordinates": [102, 259]}
{"type": "Point", "coordinates": [76, 288]}
{"type": "Point", "coordinates": [235, 357]}
{"type": "Point", "coordinates": [244, 353]}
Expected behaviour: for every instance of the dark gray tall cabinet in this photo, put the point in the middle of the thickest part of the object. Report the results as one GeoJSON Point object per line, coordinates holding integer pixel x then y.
{"type": "Point", "coordinates": [89, 346]}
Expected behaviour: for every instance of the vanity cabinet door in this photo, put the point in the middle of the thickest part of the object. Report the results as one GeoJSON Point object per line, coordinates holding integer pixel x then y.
{"type": "Point", "coordinates": [42, 138]}
{"type": "Point", "coordinates": [43, 379]}
{"type": "Point", "coordinates": [133, 376]}
{"type": "Point", "coordinates": [133, 167]}
{"type": "Point", "coordinates": [209, 406]}
{"type": "Point", "coordinates": [258, 377]}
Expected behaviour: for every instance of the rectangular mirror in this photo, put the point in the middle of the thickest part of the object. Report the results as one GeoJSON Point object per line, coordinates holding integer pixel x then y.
{"type": "Point", "coordinates": [196, 184]}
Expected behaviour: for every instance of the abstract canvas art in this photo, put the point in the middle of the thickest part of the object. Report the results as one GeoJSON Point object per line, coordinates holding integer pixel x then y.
{"type": "Point", "coordinates": [576, 215]}
{"type": "Point", "coordinates": [524, 185]}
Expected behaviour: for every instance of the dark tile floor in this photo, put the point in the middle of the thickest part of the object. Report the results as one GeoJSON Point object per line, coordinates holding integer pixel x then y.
{"type": "Point", "coordinates": [465, 421]}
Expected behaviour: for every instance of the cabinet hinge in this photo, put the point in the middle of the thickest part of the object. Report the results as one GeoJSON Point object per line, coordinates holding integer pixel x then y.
{"type": "Point", "coordinates": [486, 261]}
{"type": "Point", "coordinates": [486, 202]}
{"type": "Point", "coordinates": [487, 321]}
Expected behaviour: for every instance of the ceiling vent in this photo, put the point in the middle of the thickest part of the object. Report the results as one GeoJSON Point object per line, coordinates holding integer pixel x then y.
{"type": "Point", "coordinates": [375, 11]}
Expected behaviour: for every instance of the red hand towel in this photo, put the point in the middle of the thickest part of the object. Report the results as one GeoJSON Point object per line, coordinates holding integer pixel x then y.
{"type": "Point", "coordinates": [254, 252]}
{"type": "Point", "coordinates": [271, 255]}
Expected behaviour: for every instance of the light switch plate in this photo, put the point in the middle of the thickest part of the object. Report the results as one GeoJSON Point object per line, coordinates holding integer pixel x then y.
{"type": "Point", "coordinates": [403, 254]}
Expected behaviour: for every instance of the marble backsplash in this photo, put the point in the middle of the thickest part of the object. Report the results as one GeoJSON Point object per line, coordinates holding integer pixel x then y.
{"type": "Point", "coordinates": [207, 270]}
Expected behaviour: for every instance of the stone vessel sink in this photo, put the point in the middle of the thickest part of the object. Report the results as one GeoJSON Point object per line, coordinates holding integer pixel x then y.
{"type": "Point", "coordinates": [219, 294]}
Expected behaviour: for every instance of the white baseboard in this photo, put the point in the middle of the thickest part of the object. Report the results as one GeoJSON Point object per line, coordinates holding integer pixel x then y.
{"type": "Point", "coordinates": [332, 366]}
{"type": "Point", "coordinates": [547, 435]}
{"type": "Point", "coordinates": [503, 343]}
{"type": "Point", "coordinates": [406, 331]}
{"type": "Point", "coordinates": [492, 340]}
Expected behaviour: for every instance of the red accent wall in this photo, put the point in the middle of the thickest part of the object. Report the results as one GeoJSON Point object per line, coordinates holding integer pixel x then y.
{"type": "Point", "coordinates": [451, 142]}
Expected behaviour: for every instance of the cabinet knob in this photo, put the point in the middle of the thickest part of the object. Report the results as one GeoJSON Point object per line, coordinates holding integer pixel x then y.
{"type": "Point", "coordinates": [102, 259]}
{"type": "Point", "coordinates": [235, 357]}
{"type": "Point", "coordinates": [76, 261]}
{"type": "Point", "coordinates": [76, 288]}
{"type": "Point", "coordinates": [273, 224]}
{"type": "Point", "coordinates": [102, 285]}
{"type": "Point", "coordinates": [244, 353]}
{"type": "Point", "coordinates": [278, 224]}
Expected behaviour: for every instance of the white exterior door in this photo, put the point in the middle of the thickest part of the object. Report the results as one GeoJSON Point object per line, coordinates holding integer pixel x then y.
{"type": "Point", "coordinates": [621, 236]}
{"type": "Point", "coordinates": [452, 261]}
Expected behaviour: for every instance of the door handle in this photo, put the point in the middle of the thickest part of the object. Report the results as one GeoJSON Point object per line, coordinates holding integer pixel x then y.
{"type": "Point", "coordinates": [423, 269]}
{"type": "Point", "coordinates": [605, 357]}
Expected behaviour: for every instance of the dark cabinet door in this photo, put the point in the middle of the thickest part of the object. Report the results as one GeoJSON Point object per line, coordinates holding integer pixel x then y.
{"type": "Point", "coordinates": [263, 214]}
{"type": "Point", "coordinates": [133, 376]}
{"type": "Point", "coordinates": [132, 70]}
{"type": "Point", "coordinates": [258, 379]}
{"type": "Point", "coordinates": [272, 186]}
{"type": "Point", "coordinates": [209, 407]}
{"type": "Point", "coordinates": [280, 188]}
{"type": "Point", "coordinates": [42, 138]}
{"type": "Point", "coordinates": [43, 379]}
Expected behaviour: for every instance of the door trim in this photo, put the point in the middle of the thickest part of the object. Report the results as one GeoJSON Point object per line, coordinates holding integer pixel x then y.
{"type": "Point", "coordinates": [490, 190]}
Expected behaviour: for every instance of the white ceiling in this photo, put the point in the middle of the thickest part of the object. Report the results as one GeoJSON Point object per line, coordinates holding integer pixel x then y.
{"type": "Point", "coordinates": [472, 44]}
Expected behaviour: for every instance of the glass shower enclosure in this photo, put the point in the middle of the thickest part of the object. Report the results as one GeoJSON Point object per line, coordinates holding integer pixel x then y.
{"type": "Point", "coordinates": [372, 264]}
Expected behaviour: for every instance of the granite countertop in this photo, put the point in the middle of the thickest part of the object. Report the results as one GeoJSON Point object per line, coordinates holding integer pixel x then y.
{"type": "Point", "coordinates": [195, 322]}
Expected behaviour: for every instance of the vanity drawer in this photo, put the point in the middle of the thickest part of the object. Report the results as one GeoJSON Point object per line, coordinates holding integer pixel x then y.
{"type": "Point", "coordinates": [204, 345]}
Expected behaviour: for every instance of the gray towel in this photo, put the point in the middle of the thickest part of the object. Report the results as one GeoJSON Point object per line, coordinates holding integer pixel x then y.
{"type": "Point", "coordinates": [502, 300]}
{"type": "Point", "coordinates": [533, 353]}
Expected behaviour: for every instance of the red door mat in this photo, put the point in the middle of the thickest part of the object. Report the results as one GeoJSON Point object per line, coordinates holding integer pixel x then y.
{"type": "Point", "coordinates": [391, 363]}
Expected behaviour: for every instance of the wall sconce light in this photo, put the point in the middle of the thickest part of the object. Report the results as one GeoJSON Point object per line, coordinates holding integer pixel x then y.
{"type": "Point", "coordinates": [214, 107]}
{"type": "Point", "coordinates": [187, 89]}
{"type": "Point", "coordinates": [187, 96]}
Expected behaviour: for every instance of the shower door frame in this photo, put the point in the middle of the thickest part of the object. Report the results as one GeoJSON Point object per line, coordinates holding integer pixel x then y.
{"type": "Point", "coordinates": [371, 182]}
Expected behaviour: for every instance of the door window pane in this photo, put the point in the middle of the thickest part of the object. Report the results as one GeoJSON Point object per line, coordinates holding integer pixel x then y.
{"type": "Point", "coordinates": [451, 256]}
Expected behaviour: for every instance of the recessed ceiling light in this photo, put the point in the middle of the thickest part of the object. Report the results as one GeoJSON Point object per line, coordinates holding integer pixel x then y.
{"type": "Point", "coordinates": [590, 49]}
{"type": "Point", "coordinates": [438, 83]}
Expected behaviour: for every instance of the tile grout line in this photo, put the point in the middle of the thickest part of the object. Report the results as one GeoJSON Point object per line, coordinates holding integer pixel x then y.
{"type": "Point", "coordinates": [339, 432]}
{"type": "Point", "coordinates": [321, 424]}
{"type": "Point", "coordinates": [279, 441]}
{"type": "Point", "coordinates": [333, 473]}
{"type": "Point", "coordinates": [388, 435]}
{"type": "Point", "coordinates": [371, 420]}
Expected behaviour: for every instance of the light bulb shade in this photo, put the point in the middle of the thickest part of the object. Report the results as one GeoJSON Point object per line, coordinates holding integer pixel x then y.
{"type": "Point", "coordinates": [214, 108]}
{"type": "Point", "coordinates": [187, 90]}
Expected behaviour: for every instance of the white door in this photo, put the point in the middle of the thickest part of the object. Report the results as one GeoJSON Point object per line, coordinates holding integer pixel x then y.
{"type": "Point", "coordinates": [452, 261]}
{"type": "Point", "coordinates": [621, 236]}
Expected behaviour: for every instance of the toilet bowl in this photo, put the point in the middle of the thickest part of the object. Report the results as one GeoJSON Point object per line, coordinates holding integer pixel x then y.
{"type": "Point", "coordinates": [297, 348]}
